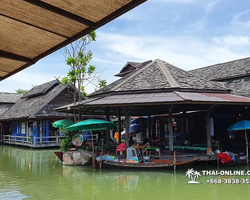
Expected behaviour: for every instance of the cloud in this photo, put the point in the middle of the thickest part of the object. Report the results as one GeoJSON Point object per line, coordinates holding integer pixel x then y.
{"type": "Point", "coordinates": [177, 1]}
{"type": "Point", "coordinates": [183, 51]}
{"type": "Point", "coordinates": [232, 40]}
{"type": "Point", "coordinates": [208, 9]}
{"type": "Point", "coordinates": [242, 18]}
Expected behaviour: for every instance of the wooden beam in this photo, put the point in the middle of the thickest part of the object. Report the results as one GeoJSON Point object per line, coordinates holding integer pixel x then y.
{"type": "Point", "coordinates": [12, 56]}
{"type": "Point", "coordinates": [62, 12]}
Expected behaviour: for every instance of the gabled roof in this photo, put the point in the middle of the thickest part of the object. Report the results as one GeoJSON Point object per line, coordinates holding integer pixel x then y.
{"type": "Point", "coordinates": [131, 66]}
{"type": "Point", "coordinates": [30, 105]}
{"type": "Point", "coordinates": [9, 97]}
{"type": "Point", "coordinates": [225, 71]}
{"type": "Point", "coordinates": [160, 75]}
{"type": "Point", "coordinates": [33, 29]}
{"type": "Point", "coordinates": [41, 89]}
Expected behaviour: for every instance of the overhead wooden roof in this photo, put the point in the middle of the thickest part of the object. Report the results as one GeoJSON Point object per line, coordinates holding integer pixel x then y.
{"type": "Point", "coordinates": [32, 29]}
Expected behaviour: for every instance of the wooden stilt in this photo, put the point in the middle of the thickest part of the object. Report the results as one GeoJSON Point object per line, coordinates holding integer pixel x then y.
{"type": "Point", "coordinates": [101, 161]}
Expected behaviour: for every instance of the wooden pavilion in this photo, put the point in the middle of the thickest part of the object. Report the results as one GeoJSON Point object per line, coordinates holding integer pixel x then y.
{"type": "Point", "coordinates": [160, 88]}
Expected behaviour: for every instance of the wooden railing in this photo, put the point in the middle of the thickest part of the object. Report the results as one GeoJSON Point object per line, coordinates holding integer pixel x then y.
{"type": "Point", "coordinates": [46, 141]}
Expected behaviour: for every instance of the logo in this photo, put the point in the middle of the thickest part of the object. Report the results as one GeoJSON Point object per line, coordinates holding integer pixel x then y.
{"type": "Point", "coordinates": [193, 175]}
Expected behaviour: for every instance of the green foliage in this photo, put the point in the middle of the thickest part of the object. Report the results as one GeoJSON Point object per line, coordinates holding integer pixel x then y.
{"type": "Point", "coordinates": [21, 91]}
{"type": "Point", "coordinates": [81, 73]}
{"type": "Point", "coordinates": [102, 83]}
{"type": "Point", "coordinates": [66, 143]}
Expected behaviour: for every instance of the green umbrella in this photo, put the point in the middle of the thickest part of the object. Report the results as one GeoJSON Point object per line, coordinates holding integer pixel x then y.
{"type": "Point", "coordinates": [62, 122]}
{"type": "Point", "coordinates": [92, 124]}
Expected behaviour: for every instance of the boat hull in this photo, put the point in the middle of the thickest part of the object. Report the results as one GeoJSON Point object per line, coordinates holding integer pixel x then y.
{"type": "Point", "coordinates": [154, 164]}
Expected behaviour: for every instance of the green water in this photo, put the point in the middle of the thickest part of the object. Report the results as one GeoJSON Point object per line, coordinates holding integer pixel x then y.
{"type": "Point", "coordinates": [38, 174]}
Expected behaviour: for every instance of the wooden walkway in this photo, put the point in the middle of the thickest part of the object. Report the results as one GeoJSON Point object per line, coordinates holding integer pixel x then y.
{"type": "Point", "coordinates": [35, 142]}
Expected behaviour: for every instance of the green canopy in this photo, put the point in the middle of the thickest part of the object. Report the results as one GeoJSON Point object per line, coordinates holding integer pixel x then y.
{"type": "Point", "coordinates": [91, 124]}
{"type": "Point", "coordinates": [62, 122]}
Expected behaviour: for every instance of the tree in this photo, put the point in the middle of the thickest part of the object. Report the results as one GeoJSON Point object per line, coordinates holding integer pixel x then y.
{"type": "Point", "coordinates": [81, 73]}
{"type": "Point", "coordinates": [21, 91]}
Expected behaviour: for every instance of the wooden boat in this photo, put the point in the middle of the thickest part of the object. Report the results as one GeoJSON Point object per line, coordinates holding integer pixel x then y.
{"type": "Point", "coordinates": [135, 161]}
{"type": "Point", "coordinates": [159, 164]}
{"type": "Point", "coordinates": [80, 157]}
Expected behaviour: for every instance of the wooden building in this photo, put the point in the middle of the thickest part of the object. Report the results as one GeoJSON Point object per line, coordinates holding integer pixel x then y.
{"type": "Point", "coordinates": [31, 117]}
{"type": "Point", "coordinates": [6, 101]}
{"type": "Point", "coordinates": [161, 88]}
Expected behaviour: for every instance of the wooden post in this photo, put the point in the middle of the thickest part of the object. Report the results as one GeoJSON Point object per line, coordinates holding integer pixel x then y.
{"type": "Point", "coordinates": [149, 131]}
{"type": "Point", "coordinates": [208, 131]}
{"type": "Point", "coordinates": [170, 129]}
{"type": "Point", "coordinates": [174, 160]}
{"type": "Point", "coordinates": [93, 150]}
{"type": "Point", "coordinates": [246, 138]}
{"type": "Point", "coordinates": [57, 139]}
{"type": "Point", "coordinates": [184, 126]}
{"type": "Point", "coordinates": [107, 131]}
{"type": "Point", "coordinates": [127, 127]}
{"type": "Point", "coordinates": [101, 161]}
{"type": "Point", "coordinates": [119, 125]}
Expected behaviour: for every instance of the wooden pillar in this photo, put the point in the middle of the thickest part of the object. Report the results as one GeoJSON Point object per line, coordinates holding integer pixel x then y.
{"type": "Point", "coordinates": [119, 125]}
{"type": "Point", "coordinates": [149, 130]}
{"type": "Point", "coordinates": [170, 129]}
{"type": "Point", "coordinates": [162, 128]}
{"type": "Point", "coordinates": [107, 131]}
{"type": "Point", "coordinates": [154, 129]}
{"type": "Point", "coordinates": [208, 131]}
{"type": "Point", "coordinates": [184, 126]}
{"type": "Point", "coordinates": [127, 127]}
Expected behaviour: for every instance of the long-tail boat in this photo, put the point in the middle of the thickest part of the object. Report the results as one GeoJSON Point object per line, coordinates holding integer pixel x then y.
{"type": "Point", "coordinates": [136, 160]}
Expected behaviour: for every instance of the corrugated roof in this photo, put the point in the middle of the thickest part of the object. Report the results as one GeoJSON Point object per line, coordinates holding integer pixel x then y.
{"type": "Point", "coordinates": [32, 29]}
{"type": "Point", "coordinates": [160, 98]}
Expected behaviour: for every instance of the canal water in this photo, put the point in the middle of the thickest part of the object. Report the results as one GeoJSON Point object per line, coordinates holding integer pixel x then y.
{"type": "Point", "coordinates": [38, 174]}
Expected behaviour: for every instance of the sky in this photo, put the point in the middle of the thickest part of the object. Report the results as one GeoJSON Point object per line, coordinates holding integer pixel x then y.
{"type": "Point", "coordinates": [186, 33]}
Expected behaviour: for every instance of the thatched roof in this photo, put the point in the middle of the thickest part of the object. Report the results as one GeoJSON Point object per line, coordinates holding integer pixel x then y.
{"type": "Point", "coordinates": [225, 71]}
{"type": "Point", "coordinates": [160, 75]}
{"type": "Point", "coordinates": [132, 66]}
{"type": "Point", "coordinates": [9, 97]}
{"type": "Point", "coordinates": [31, 29]}
{"type": "Point", "coordinates": [35, 101]}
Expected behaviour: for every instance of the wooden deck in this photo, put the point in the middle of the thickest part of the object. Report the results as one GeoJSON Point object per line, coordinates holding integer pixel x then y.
{"type": "Point", "coordinates": [36, 142]}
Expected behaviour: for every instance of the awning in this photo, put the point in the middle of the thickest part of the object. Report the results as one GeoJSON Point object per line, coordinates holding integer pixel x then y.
{"type": "Point", "coordinates": [33, 29]}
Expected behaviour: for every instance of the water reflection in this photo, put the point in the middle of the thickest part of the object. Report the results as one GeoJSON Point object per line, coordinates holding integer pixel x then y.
{"type": "Point", "coordinates": [37, 174]}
